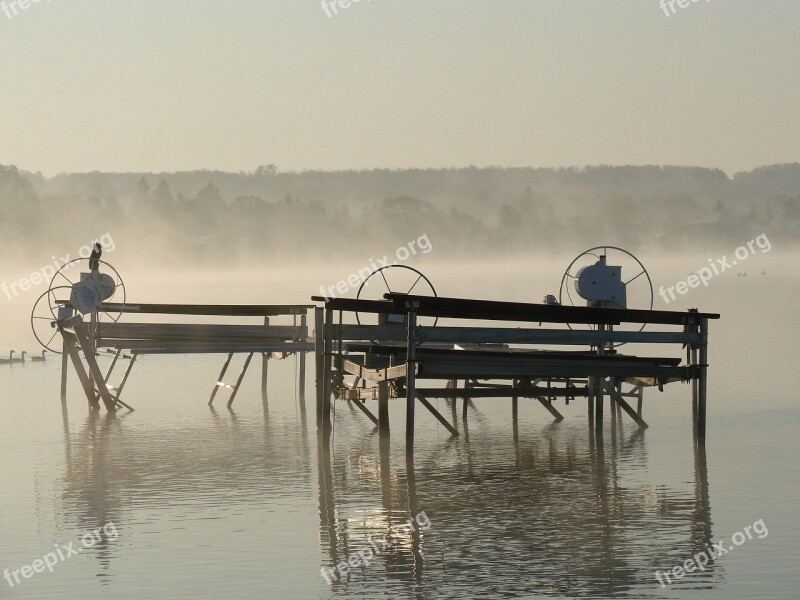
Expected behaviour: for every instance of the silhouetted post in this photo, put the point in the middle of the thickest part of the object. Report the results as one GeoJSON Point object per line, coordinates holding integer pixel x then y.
{"type": "Point", "coordinates": [264, 368]}
{"type": "Point", "coordinates": [514, 402]}
{"type": "Point", "coordinates": [64, 363]}
{"type": "Point", "coordinates": [411, 377]}
{"type": "Point", "coordinates": [327, 370]}
{"type": "Point", "coordinates": [383, 405]}
{"type": "Point", "coordinates": [598, 389]}
{"type": "Point", "coordinates": [319, 353]}
{"type": "Point", "coordinates": [702, 383]}
{"type": "Point", "coordinates": [301, 385]}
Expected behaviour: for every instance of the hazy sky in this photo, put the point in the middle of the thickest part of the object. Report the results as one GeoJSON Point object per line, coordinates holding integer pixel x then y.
{"type": "Point", "coordinates": [176, 84]}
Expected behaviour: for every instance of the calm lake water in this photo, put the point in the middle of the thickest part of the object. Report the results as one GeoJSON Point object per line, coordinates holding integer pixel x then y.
{"type": "Point", "coordinates": [244, 503]}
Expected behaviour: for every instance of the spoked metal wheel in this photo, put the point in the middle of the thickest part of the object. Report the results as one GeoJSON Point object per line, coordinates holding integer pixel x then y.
{"type": "Point", "coordinates": [69, 274]}
{"type": "Point", "coordinates": [42, 317]}
{"type": "Point", "coordinates": [398, 279]}
{"type": "Point", "coordinates": [639, 286]}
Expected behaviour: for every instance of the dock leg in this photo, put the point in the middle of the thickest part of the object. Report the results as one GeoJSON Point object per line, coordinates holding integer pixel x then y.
{"type": "Point", "coordinates": [383, 408]}
{"type": "Point", "coordinates": [514, 403]}
{"type": "Point", "coordinates": [598, 404]}
{"type": "Point", "coordinates": [319, 353]}
{"type": "Point", "coordinates": [598, 389]}
{"type": "Point", "coordinates": [264, 368]}
{"type": "Point", "coordinates": [695, 386]}
{"type": "Point", "coordinates": [411, 378]}
{"type": "Point", "coordinates": [327, 370]}
{"type": "Point", "coordinates": [64, 358]}
{"type": "Point", "coordinates": [702, 383]}
{"type": "Point", "coordinates": [301, 384]}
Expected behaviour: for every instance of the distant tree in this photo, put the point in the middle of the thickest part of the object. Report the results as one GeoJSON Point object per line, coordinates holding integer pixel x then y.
{"type": "Point", "coordinates": [162, 194]}
{"type": "Point", "coordinates": [266, 171]}
{"type": "Point", "coordinates": [209, 195]}
{"type": "Point", "coordinates": [143, 190]}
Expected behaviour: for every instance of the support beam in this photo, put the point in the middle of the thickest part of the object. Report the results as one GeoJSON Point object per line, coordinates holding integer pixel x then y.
{"type": "Point", "coordinates": [239, 380]}
{"type": "Point", "coordinates": [94, 369]}
{"type": "Point", "coordinates": [549, 406]}
{"type": "Point", "coordinates": [112, 365]}
{"type": "Point", "coordinates": [616, 397]}
{"type": "Point", "coordinates": [436, 414]}
{"type": "Point", "coordinates": [71, 349]}
{"type": "Point", "coordinates": [219, 379]}
{"type": "Point", "coordinates": [360, 406]}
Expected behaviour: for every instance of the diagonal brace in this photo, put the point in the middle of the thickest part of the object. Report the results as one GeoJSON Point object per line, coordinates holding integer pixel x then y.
{"type": "Point", "coordinates": [616, 397]}
{"type": "Point", "coordinates": [366, 411]}
{"type": "Point", "coordinates": [549, 406]}
{"type": "Point", "coordinates": [436, 414]}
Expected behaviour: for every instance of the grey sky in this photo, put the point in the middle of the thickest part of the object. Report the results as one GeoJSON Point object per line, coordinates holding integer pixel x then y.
{"type": "Point", "coordinates": [167, 85]}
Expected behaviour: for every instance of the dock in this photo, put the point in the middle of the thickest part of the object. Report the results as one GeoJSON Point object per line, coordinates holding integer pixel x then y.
{"type": "Point", "coordinates": [400, 359]}
{"type": "Point", "coordinates": [274, 338]}
{"type": "Point", "coordinates": [401, 346]}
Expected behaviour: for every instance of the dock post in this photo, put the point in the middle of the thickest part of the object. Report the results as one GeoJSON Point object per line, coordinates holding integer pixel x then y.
{"type": "Point", "coordinates": [92, 340]}
{"type": "Point", "coordinates": [514, 403]}
{"type": "Point", "coordinates": [411, 377]}
{"type": "Point", "coordinates": [702, 382]}
{"type": "Point", "coordinates": [301, 385]}
{"type": "Point", "coordinates": [319, 351]}
{"type": "Point", "coordinates": [264, 368]}
{"type": "Point", "coordinates": [64, 313]}
{"type": "Point", "coordinates": [598, 389]}
{"type": "Point", "coordinates": [327, 370]}
{"type": "Point", "coordinates": [383, 405]}
{"type": "Point", "coordinates": [64, 363]}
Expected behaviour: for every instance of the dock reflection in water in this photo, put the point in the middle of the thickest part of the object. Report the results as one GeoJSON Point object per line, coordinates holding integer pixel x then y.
{"type": "Point", "coordinates": [558, 511]}
{"type": "Point", "coordinates": [536, 510]}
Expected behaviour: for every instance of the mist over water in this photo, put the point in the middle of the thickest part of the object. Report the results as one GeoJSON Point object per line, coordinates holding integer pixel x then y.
{"type": "Point", "coordinates": [247, 497]}
{"type": "Point", "coordinates": [267, 152]}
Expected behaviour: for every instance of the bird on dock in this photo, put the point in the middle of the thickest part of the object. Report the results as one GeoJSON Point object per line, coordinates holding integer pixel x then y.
{"type": "Point", "coordinates": [21, 358]}
{"type": "Point", "coordinates": [39, 358]}
{"type": "Point", "coordinates": [94, 258]}
{"type": "Point", "coordinates": [7, 361]}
